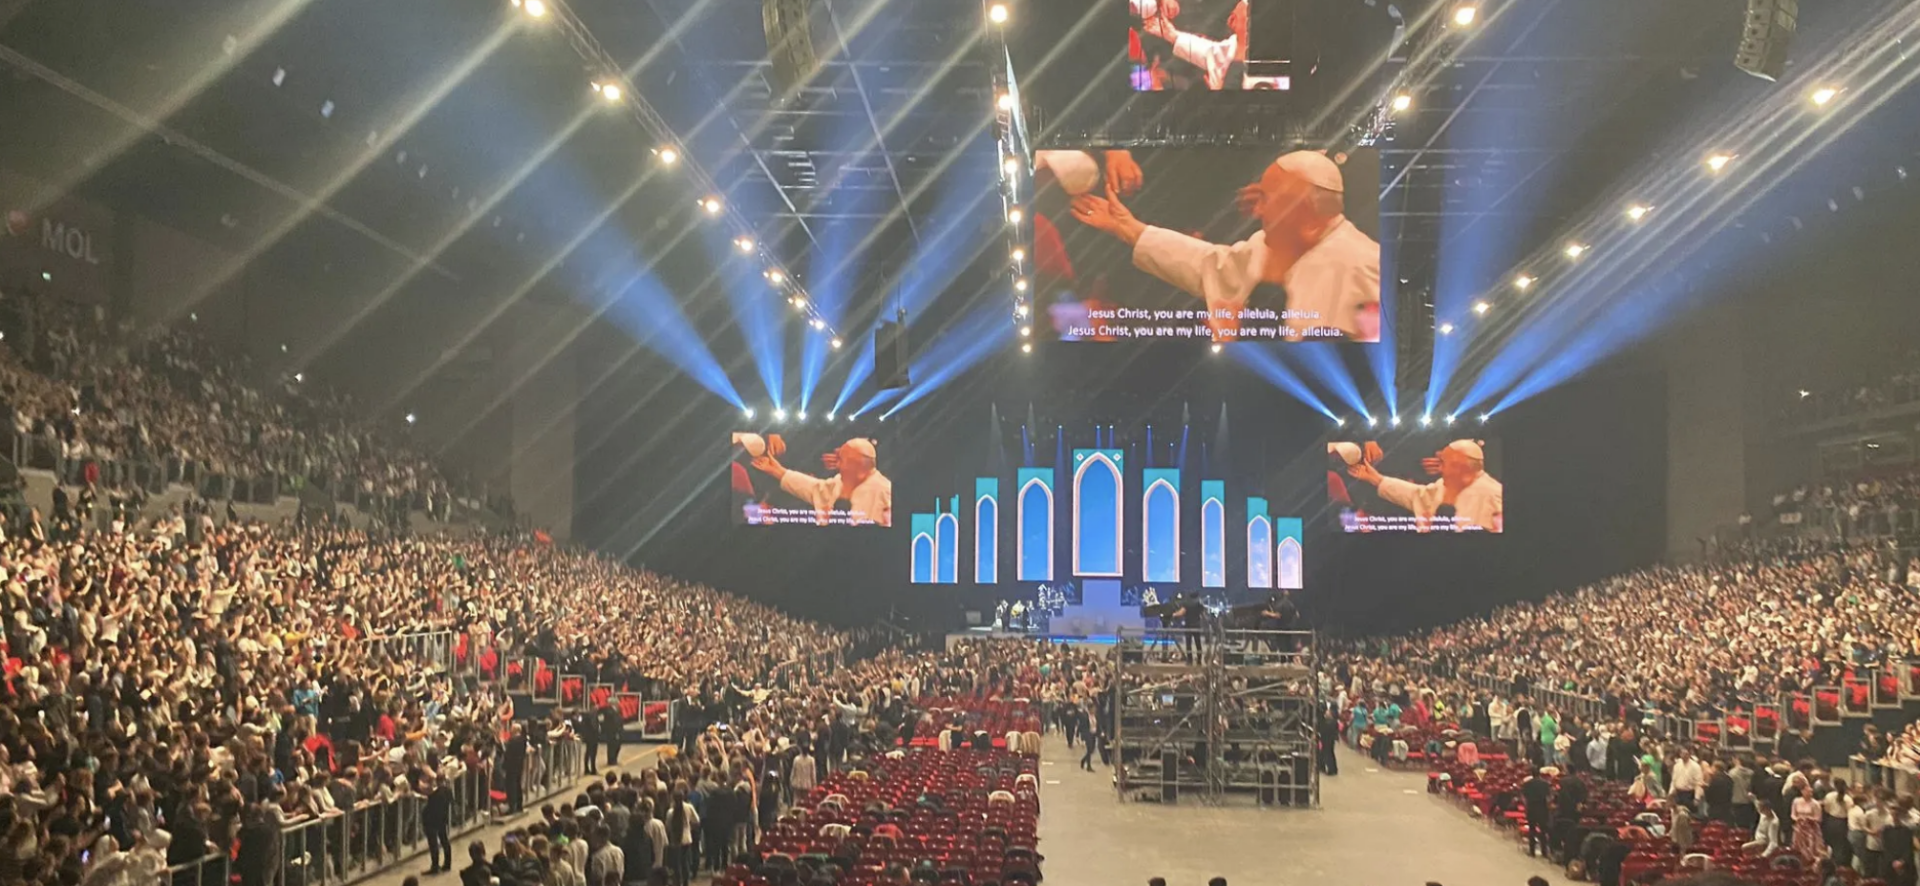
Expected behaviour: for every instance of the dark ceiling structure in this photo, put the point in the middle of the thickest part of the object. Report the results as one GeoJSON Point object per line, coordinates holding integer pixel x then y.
{"type": "Point", "coordinates": [453, 144]}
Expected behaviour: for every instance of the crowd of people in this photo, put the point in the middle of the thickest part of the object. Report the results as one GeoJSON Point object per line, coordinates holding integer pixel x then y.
{"type": "Point", "coordinates": [1900, 384]}
{"type": "Point", "coordinates": [1782, 617]}
{"type": "Point", "coordinates": [1782, 801]}
{"type": "Point", "coordinates": [88, 393]}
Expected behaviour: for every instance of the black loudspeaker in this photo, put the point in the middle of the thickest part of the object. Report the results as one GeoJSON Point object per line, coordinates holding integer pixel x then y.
{"type": "Point", "coordinates": [1269, 788]}
{"type": "Point", "coordinates": [789, 42]}
{"type": "Point", "coordinates": [1767, 36]}
{"type": "Point", "coordinates": [890, 354]}
{"type": "Point", "coordinates": [1169, 777]}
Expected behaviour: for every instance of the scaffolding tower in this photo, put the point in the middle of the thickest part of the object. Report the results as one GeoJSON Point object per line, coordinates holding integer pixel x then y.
{"type": "Point", "coordinates": [1216, 715]}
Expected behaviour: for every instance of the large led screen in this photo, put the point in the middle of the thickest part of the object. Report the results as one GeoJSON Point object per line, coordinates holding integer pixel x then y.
{"type": "Point", "coordinates": [1419, 484]}
{"type": "Point", "coordinates": [1203, 44]}
{"type": "Point", "coordinates": [1207, 245]}
{"type": "Point", "coordinates": [818, 481]}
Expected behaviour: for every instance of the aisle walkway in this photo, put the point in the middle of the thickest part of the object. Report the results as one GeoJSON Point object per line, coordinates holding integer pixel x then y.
{"type": "Point", "coordinates": [633, 758]}
{"type": "Point", "coordinates": [1376, 828]}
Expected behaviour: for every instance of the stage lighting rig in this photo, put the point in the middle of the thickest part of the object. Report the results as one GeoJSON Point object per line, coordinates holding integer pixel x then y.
{"type": "Point", "coordinates": [997, 13]}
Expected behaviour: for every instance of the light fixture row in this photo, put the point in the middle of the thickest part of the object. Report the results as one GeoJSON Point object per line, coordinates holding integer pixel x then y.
{"type": "Point", "coordinates": [615, 89]}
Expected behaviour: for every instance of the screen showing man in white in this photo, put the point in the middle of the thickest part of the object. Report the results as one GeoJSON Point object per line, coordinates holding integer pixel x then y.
{"type": "Point", "coordinates": [855, 493]}
{"type": "Point", "coordinates": [1308, 262]}
{"type": "Point", "coordinates": [1465, 498]}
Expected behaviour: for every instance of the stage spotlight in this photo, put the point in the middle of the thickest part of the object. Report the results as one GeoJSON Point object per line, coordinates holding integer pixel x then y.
{"type": "Point", "coordinates": [777, 278]}
{"type": "Point", "coordinates": [1465, 13]}
{"type": "Point", "coordinates": [1340, 420]}
{"type": "Point", "coordinates": [1522, 282]}
{"type": "Point", "coordinates": [997, 13]}
{"type": "Point", "coordinates": [1372, 422]}
{"type": "Point", "coordinates": [801, 417]}
{"type": "Point", "coordinates": [299, 377]}
{"type": "Point", "coordinates": [1717, 162]}
{"type": "Point", "coordinates": [779, 415]}
{"type": "Point", "coordinates": [748, 412]}
{"type": "Point", "coordinates": [1026, 347]}
{"type": "Point", "coordinates": [1005, 101]}
{"type": "Point", "coordinates": [1451, 417]}
{"type": "Point", "coordinates": [1011, 166]}
{"type": "Point", "coordinates": [1804, 393]}
{"type": "Point", "coordinates": [1020, 310]}
{"type": "Point", "coordinates": [668, 156]}
{"type": "Point", "coordinates": [829, 416]}
{"type": "Point", "coordinates": [1014, 215]}
{"type": "Point", "coordinates": [535, 8]}
{"type": "Point", "coordinates": [1018, 255]}
{"type": "Point", "coordinates": [1446, 329]}
{"type": "Point", "coordinates": [1638, 211]}
{"type": "Point", "coordinates": [609, 91]}
{"type": "Point", "coordinates": [1020, 284]}
{"type": "Point", "coordinates": [1026, 332]}
{"type": "Point", "coordinates": [744, 244]}
{"type": "Point", "coordinates": [819, 324]}
{"type": "Point", "coordinates": [1216, 348]}
{"type": "Point", "coordinates": [411, 418]}
{"type": "Point", "coordinates": [883, 418]}
{"type": "Point", "coordinates": [1823, 95]}
{"type": "Point", "coordinates": [1402, 102]}
{"type": "Point", "coordinates": [1483, 418]}
{"type": "Point", "coordinates": [797, 302]}
{"type": "Point", "coordinates": [836, 346]}
{"type": "Point", "coordinates": [1481, 308]}
{"type": "Point", "coordinates": [1575, 250]}
{"type": "Point", "coordinates": [711, 205]}
{"type": "Point", "coordinates": [1395, 421]}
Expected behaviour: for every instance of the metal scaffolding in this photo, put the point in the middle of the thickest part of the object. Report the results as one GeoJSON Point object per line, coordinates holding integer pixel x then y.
{"type": "Point", "coordinates": [1216, 714]}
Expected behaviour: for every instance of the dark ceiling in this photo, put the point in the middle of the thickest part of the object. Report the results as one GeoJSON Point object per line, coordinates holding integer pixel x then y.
{"type": "Point", "coordinates": [456, 139]}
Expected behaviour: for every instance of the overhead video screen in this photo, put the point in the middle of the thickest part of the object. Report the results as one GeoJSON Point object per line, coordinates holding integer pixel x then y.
{"type": "Point", "coordinates": [1421, 484]}
{"type": "Point", "coordinates": [820, 479]}
{"type": "Point", "coordinates": [1207, 245]}
{"type": "Point", "coordinates": [1205, 44]}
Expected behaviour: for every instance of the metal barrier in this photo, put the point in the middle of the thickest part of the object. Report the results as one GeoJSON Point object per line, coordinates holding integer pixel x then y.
{"type": "Point", "coordinates": [214, 869]}
{"type": "Point", "coordinates": [373, 836]}
{"type": "Point", "coordinates": [434, 649]}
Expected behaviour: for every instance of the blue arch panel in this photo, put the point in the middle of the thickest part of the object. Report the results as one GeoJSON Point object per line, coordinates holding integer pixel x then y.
{"type": "Point", "coordinates": [1034, 534]}
{"type": "Point", "coordinates": [946, 538]}
{"type": "Point", "coordinates": [920, 569]}
{"type": "Point", "coordinates": [986, 530]}
{"type": "Point", "coordinates": [1290, 568]}
{"type": "Point", "coordinates": [1160, 525]}
{"type": "Point", "coordinates": [1213, 534]}
{"type": "Point", "coordinates": [1259, 545]}
{"type": "Point", "coordinates": [1098, 509]}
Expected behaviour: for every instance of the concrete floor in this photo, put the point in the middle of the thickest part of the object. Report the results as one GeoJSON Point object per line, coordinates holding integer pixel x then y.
{"type": "Point", "coordinates": [1375, 828]}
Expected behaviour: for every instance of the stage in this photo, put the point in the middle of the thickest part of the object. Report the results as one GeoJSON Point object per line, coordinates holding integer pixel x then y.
{"type": "Point", "coordinates": [1376, 827]}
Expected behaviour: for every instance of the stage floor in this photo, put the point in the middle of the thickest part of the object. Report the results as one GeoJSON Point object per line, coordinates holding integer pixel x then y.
{"type": "Point", "coordinates": [1377, 827]}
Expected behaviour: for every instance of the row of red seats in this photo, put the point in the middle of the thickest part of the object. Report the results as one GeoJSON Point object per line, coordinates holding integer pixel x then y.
{"type": "Point", "coordinates": [972, 815]}
{"type": "Point", "coordinates": [1493, 791]}
{"type": "Point", "coordinates": [994, 716]}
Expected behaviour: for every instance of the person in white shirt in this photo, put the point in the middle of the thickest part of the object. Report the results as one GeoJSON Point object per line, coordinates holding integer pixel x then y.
{"type": "Point", "coordinates": [1476, 499]}
{"type": "Point", "coordinates": [1688, 778]}
{"type": "Point", "coordinates": [1306, 246]}
{"type": "Point", "coordinates": [857, 480]}
{"type": "Point", "coordinates": [1214, 58]}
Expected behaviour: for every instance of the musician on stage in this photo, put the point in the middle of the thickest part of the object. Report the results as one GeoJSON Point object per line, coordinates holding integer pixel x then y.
{"type": "Point", "coordinates": [1280, 614]}
{"type": "Point", "coordinates": [1189, 612]}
